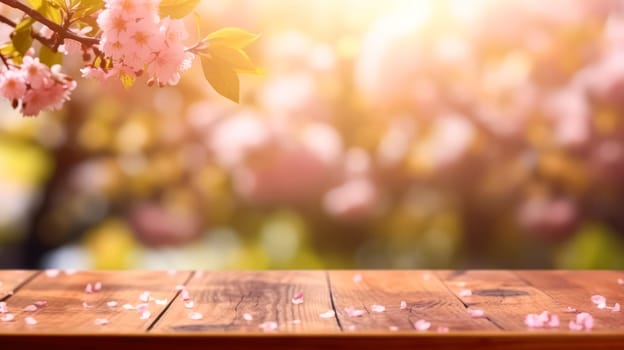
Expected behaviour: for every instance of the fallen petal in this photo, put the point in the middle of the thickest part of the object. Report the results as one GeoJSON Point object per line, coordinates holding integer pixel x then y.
{"type": "Point", "coordinates": [598, 299]}
{"type": "Point", "coordinates": [145, 315]}
{"type": "Point", "coordinates": [30, 321]}
{"type": "Point", "coordinates": [357, 278]}
{"type": "Point", "coordinates": [189, 304]}
{"type": "Point", "coordinates": [98, 286]}
{"type": "Point", "coordinates": [111, 303]}
{"type": "Point", "coordinates": [476, 313]}
{"type": "Point", "coordinates": [297, 299]}
{"type": "Point", "coordinates": [403, 305]}
{"type": "Point", "coordinates": [378, 308]}
{"type": "Point", "coordinates": [247, 317]}
{"type": "Point", "coordinates": [128, 307]}
{"type": "Point", "coordinates": [30, 308]}
{"type": "Point", "coordinates": [465, 293]}
{"type": "Point", "coordinates": [195, 315]}
{"type": "Point", "coordinates": [89, 288]}
{"type": "Point", "coordinates": [268, 326]}
{"type": "Point", "coordinates": [328, 314]}
{"type": "Point", "coordinates": [101, 321]}
{"type": "Point", "coordinates": [7, 318]}
{"type": "Point", "coordinates": [422, 325]}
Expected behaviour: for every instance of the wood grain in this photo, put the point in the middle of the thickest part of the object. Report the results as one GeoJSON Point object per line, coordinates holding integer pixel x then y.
{"type": "Point", "coordinates": [575, 288]}
{"type": "Point", "coordinates": [12, 279]}
{"type": "Point", "coordinates": [505, 298]}
{"type": "Point", "coordinates": [65, 294]}
{"type": "Point", "coordinates": [426, 297]}
{"type": "Point", "coordinates": [224, 297]}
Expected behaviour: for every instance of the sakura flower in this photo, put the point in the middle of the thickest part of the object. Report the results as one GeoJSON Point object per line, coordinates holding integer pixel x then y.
{"type": "Point", "coordinates": [12, 84]}
{"type": "Point", "coordinates": [35, 73]}
{"type": "Point", "coordinates": [545, 319]}
{"type": "Point", "coordinates": [422, 325]}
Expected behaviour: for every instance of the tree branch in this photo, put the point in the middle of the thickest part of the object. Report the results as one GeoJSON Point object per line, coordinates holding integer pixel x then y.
{"type": "Point", "coordinates": [63, 32]}
{"type": "Point", "coordinates": [45, 41]}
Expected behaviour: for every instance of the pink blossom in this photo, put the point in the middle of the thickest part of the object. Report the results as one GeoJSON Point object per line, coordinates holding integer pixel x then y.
{"type": "Point", "coordinates": [583, 321]}
{"type": "Point", "coordinates": [545, 319]}
{"type": "Point", "coordinates": [12, 84]}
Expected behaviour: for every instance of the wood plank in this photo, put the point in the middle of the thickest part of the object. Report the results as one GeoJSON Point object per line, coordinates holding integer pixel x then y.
{"type": "Point", "coordinates": [426, 297]}
{"type": "Point", "coordinates": [223, 298]}
{"type": "Point", "coordinates": [65, 294]}
{"type": "Point", "coordinates": [575, 288]}
{"type": "Point", "coordinates": [360, 341]}
{"type": "Point", "coordinates": [12, 279]}
{"type": "Point", "coordinates": [505, 298]}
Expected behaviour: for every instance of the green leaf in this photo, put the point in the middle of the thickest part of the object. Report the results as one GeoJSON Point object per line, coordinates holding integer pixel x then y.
{"type": "Point", "coordinates": [21, 36]}
{"type": "Point", "coordinates": [127, 80]}
{"type": "Point", "coordinates": [176, 8]}
{"type": "Point", "coordinates": [83, 9]}
{"type": "Point", "coordinates": [222, 78]}
{"type": "Point", "coordinates": [49, 57]}
{"type": "Point", "coordinates": [232, 37]}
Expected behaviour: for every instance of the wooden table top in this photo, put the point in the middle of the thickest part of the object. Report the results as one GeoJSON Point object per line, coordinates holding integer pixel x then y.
{"type": "Point", "coordinates": [402, 309]}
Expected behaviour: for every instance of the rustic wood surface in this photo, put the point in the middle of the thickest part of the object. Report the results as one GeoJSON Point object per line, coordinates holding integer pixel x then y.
{"type": "Point", "coordinates": [244, 309]}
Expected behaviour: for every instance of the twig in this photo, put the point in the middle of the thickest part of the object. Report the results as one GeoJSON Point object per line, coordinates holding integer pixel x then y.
{"type": "Point", "coordinates": [45, 41]}
{"type": "Point", "coordinates": [63, 32]}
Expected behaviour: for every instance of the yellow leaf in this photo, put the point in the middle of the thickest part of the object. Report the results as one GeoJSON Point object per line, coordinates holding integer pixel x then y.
{"type": "Point", "coordinates": [222, 78]}
{"type": "Point", "coordinates": [231, 37]}
{"type": "Point", "coordinates": [127, 80]}
{"type": "Point", "coordinates": [176, 8]}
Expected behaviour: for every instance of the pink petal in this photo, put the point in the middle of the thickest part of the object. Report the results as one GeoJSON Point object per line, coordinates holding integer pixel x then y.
{"type": "Point", "coordinates": [189, 304]}
{"type": "Point", "coordinates": [30, 308]}
{"type": "Point", "coordinates": [30, 321]}
{"type": "Point", "coordinates": [41, 303]}
{"type": "Point", "coordinates": [128, 307]}
{"type": "Point", "coordinates": [422, 325]}
{"type": "Point", "coordinates": [89, 288]}
{"type": "Point", "coordinates": [7, 318]}
{"type": "Point", "coordinates": [393, 328]}
{"type": "Point", "coordinates": [620, 281]}
{"type": "Point", "coordinates": [598, 299]}
{"type": "Point", "coordinates": [476, 313]}
{"type": "Point", "coordinates": [586, 320]}
{"type": "Point", "coordinates": [86, 305]}
{"type": "Point", "coordinates": [111, 303]}
{"type": "Point", "coordinates": [195, 315]}
{"type": "Point", "coordinates": [52, 273]}
{"type": "Point", "coordinates": [442, 329]}
{"type": "Point", "coordinates": [353, 312]}
{"type": "Point", "coordinates": [145, 296]}
{"type": "Point", "coordinates": [575, 326]}
{"type": "Point", "coordinates": [357, 278]}
{"type": "Point", "coordinates": [180, 287]}
{"type": "Point", "coordinates": [3, 307]}
{"type": "Point", "coordinates": [554, 321]}
{"type": "Point", "coordinates": [297, 299]}
{"type": "Point", "coordinates": [142, 307]}
{"type": "Point", "coordinates": [160, 301]}
{"type": "Point", "coordinates": [185, 295]}
{"type": "Point", "coordinates": [570, 309]}
{"type": "Point", "coordinates": [145, 315]}
{"type": "Point", "coordinates": [378, 308]}
{"type": "Point", "coordinates": [98, 286]}
{"type": "Point", "coordinates": [465, 293]}
{"type": "Point", "coordinates": [616, 307]}
{"type": "Point", "coordinates": [268, 326]}
{"type": "Point", "coordinates": [247, 317]}
{"type": "Point", "coordinates": [101, 321]}
{"type": "Point", "coordinates": [403, 305]}
{"type": "Point", "coordinates": [328, 314]}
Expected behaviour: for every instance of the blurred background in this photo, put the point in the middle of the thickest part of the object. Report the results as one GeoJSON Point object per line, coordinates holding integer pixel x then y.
{"type": "Point", "coordinates": [384, 134]}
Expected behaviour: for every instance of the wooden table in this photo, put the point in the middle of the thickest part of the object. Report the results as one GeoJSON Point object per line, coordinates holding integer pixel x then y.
{"type": "Point", "coordinates": [235, 309]}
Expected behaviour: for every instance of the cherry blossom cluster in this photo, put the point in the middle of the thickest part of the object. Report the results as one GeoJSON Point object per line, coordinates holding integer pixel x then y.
{"type": "Point", "coordinates": [35, 87]}
{"type": "Point", "coordinates": [137, 40]}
